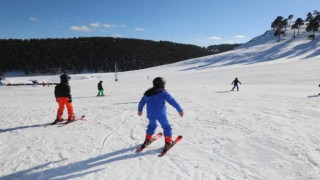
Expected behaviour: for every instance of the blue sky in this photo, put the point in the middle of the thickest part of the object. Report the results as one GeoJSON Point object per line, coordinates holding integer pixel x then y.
{"type": "Point", "coordinates": [198, 22]}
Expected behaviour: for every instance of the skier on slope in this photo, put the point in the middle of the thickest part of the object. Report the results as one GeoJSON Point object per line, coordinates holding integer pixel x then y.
{"type": "Point", "coordinates": [62, 93]}
{"type": "Point", "coordinates": [155, 99]}
{"type": "Point", "coordinates": [319, 93]}
{"type": "Point", "coordinates": [100, 89]}
{"type": "Point", "coordinates": [235, 84]}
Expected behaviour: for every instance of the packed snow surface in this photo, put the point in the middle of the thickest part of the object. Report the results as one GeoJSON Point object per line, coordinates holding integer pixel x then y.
{"type": "Point", "coordinates": [267, 130]}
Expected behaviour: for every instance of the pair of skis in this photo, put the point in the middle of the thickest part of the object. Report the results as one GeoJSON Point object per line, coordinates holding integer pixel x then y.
{"type": "Point", "coordinates": [164, 151]}
{"type": "Point", "coordinates": [68, 122]}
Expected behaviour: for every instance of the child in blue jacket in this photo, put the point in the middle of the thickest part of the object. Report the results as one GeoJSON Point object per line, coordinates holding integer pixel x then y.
{"type": "Point", "coordinates": [155, 98]}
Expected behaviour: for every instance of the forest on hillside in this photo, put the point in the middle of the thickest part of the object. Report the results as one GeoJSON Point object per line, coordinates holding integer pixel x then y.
{"type": "Point", "coordinates": [94, 54]}
{"type": "Point", "coordinates": [312, 23]}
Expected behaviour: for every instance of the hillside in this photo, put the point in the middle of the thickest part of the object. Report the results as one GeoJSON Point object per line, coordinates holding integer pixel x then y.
{"type": "Point", "coordinates": [91, 54]}
{"type": "Point", "coordinates": [267, 130]}
{"type": "Point", "coordinates": [264, 48]}
{"type": "Point", "coordinates": [96, 54]}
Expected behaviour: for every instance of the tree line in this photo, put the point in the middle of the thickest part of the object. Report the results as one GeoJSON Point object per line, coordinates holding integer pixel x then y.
{"type": "Point", "coordinates": [312, 22]}
{"type": "Point", "coordinates": [93, 54]}
{"type": "Point", "coordinates": [222, 47]}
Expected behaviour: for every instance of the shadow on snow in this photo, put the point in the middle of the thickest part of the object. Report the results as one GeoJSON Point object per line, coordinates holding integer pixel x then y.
{"type": "Point", "coordinates": [312, 96]}
{"type": "Point", "coordinates": [247, 58]}
{"type": "Point", "coordinates": [22, 127]}
{"type": "Point", "coordinates": [80, 168]}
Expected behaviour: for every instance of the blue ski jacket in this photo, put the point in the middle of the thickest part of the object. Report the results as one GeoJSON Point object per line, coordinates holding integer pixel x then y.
{"type": "Point", "coordinates": [156, 104]}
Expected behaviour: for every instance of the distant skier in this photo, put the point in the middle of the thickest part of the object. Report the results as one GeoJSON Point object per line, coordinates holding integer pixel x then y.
{"type": "Point", "coordinates": [235, 84]}
{"type": "Point", "coordinates": [62, 93]}
{"type": "Point", "coordinates": [100, 89]}
{"type": "Point", "coordinates": [319, 93]}
{"type": "Point", "coordinates": [155, 98]}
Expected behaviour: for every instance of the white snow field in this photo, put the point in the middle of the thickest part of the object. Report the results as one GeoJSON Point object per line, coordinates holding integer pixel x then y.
{"type": "Point", "coordinates": [268, 130]}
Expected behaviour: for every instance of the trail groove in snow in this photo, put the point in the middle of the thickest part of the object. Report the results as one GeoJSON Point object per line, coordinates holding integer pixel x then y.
{"type": "Point", "coordinates": [267, 130]}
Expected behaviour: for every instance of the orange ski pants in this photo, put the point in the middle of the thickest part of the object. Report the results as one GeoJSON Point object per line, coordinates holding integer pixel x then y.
{"type": "Point", "coordinates": [63, 101]}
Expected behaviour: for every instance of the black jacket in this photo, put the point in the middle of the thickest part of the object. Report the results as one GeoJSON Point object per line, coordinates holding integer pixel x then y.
{"type": "Point", "coordinates": [100, 86]}
{"type": "Point", "coordinates": [62, 90]}
{"type": "Point", "coordinates": [235, 82]}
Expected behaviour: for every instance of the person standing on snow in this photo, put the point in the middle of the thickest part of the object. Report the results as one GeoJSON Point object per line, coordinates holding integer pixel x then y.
{"type": "Point", "coordinates": [319, 93]}
{"type": "Point", "coordinates": [62, 93]}
{"type": "Point", "coordinates": [100, 89]}
{"type": "Point", "coordinates": [155, 98]}
{"type": "Point", "coordinates": [235, 84]}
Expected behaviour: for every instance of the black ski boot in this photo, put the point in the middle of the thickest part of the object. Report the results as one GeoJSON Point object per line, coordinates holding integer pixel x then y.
{"type": "Point", "coordinates": [56, 121]}
{"type": "Point", "coordinates": [145, 143]}
{"type": "Point", "coordinates": [70, 120]}
{"type": "Point", "coordinates": [167, 146]}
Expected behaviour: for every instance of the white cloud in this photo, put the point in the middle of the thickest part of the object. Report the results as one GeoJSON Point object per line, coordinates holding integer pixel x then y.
{"type": "Point", "coordinates": [239, 36]}
{"type": "Point", "coordinates": [116, 35]}
{"type": "Point", "coordinates": [34, 19]}
{"type": "Point", "coordinates": [80, 28]}
{"type": "Point", "coordinates": [108, 25]}
{"type": "Point", "coordinates": [232, 42]}
{"type": "Point", "coordinates": [95, 25]}
{"type": "Point", "coordinates": [214, 38]}
{"type": "Point", "coordinates": [139, 29]}
{"type": "Point", "coordinates": [99, 25]}
{"type": "Point", "coordinates": [113, 26]}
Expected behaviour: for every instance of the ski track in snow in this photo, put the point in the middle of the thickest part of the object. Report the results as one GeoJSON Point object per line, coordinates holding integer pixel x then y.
{"type": "Point", "coordinates": [267, 130]}
{"type": "Point", "coordinates": [246, 137]}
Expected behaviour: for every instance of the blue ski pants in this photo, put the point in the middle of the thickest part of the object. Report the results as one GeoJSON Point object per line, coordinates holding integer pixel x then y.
{"type": "Point", "coordinates": [163, 120]}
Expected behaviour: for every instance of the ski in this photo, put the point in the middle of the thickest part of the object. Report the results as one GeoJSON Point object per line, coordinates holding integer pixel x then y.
{"type": "Point", "coordinates": [75, 119]}
{"type": "Point", "coordinates": [164, 151]}
{"type": "Point", "coordinates": [55, 123]}
{"type": "Point", "coordinates": [157, 136]}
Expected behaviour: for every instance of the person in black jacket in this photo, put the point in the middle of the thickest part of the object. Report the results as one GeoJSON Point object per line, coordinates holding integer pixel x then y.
{"type": "Point", "coordinates": [235, 84]}
{"type": "Point", "coordinates": [62, 93]}
{"type": "Point", "coordinates": [319, 93]}
{"type": "Point", "coordinates": [100, 89]}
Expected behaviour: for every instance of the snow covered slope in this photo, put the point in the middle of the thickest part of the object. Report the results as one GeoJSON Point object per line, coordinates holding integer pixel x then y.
{"type": "Point", "coordinates": [267, 130]}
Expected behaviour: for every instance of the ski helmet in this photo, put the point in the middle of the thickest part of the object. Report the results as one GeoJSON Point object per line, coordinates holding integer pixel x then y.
{"type": "Point", "coordinates": [159, 82]}
{"type": "Point", "coordinates": [65, 77]}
